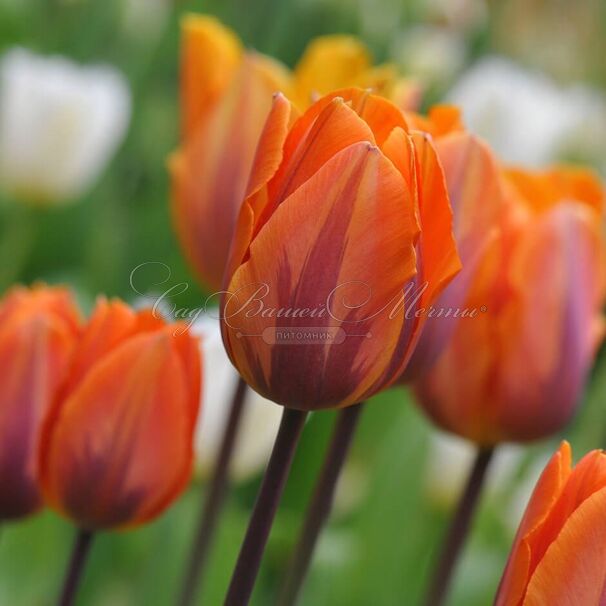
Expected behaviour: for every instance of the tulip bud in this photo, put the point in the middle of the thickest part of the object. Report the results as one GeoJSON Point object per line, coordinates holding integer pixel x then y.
{"type": "Point", "coordinates": [59, 125]}
{"type": "Point", "coordinates": [116, 448]}
{"type": "Point", "coordinates": [341, 222]}
{"type": "Point", "coordinates": [558, 554]}
{"type": "Point", "coordinates": [226, 95]}
{"type": "Point", "coordinates": [516, 370]}
{"type": "Point", "coordinates": [38, 330]}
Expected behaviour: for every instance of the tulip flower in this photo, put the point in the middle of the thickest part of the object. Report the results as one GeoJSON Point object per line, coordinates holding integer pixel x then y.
{"type": "Point", "coordinates": [516, 371]}
{"type": "Point", "coordinates": [60, 124]}
{"type": "Point", "coordinates": [117, 445]}
{"type": "Point", "coordinates": [335, 228]}
{"type": "Point", "coordinates": [558, 554]}
{"type": "Point", "coordinates": [39, 327]}
{"type": "Point", "coordinates": [226, 95]}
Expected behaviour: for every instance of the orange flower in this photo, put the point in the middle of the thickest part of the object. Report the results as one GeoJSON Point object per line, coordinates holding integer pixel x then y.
{"type": "Point", "coordinates": [516, 371]}
{"type": "Point", "coordinates": [346, 211]}
{"type": "Point", "coordinates": [226, 95]}
{"type": "Point", "coordinates": [38, 330]}
{"type": "Point", "coordinates": [558, 555]}
{"type": "Point", "coordinates": [116, 448]}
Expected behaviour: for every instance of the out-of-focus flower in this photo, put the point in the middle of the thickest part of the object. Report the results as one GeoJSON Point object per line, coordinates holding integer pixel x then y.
{"type": "Point", "coordinates": [526, 117]}
{"type": "Point", "coordinates": [433, 55]}
{"type": "Point", "coordinates": [226, 95]}
{"type": "Point", "coordinates": [38, 331]}
{"type": "Point", "coordinates": [474, 183]}
{"type": "Point", "coordinates": [517, 369]}
{"type": "Point", "coordinates": [449, 461]}
{"type": "Point", "coordinates": [117, 445]}
{"type": "Point", "coordinates": [558, 554]}
{"type": "Point", "coordinates": [260, 418]}
{"type": "Point", "coordinates": [60, 123]}
{"type": "Point", "coordinates": [346, 212]}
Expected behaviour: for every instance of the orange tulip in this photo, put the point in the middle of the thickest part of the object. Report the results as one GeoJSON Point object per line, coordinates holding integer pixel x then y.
{"type": "Point", "coordinates": [116, 447]}
{"type": "Point", "coordinates": [517, 370]}
{"type": "Point", "coordinates": [226, 95]}
{"type": "Point", "coordinates": [346, 212]}
{"type": "Point", "coordinates": [558, 555]}
{"type": "Point", "coordinates": [38, 330]}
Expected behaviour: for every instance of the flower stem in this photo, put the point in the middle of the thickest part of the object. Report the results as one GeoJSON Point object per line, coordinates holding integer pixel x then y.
{"type": "Point", "coordinates": [459, 529]}
{"type": "Point", "coordinates": [320, 505]}
{"type": "Point", "coordinates": [213, 503]}
{"type": "Point", "coordinates": [73, 574]}
{"type": "Point", "coordinates": [259, 527]}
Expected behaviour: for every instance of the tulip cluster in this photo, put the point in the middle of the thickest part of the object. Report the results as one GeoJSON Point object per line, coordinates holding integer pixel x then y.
{"type": "Point", "coordinates": [355, 245]}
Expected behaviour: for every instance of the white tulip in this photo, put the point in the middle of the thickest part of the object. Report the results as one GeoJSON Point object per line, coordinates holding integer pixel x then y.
{"type": "Point", "coordinates": [260, 417]}
{"type": "Point", "coordinates": [524, 115]}
{"type": "Point", "coordinates": [60, 123]}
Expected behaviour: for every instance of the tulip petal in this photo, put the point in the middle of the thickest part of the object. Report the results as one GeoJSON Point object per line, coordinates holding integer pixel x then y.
{"type": "Point", "coordinates": [267, 160]}
{"type": "Point", "coordinates": [438, 248]}
{"type": "Point", "coordinates": [210, 56]}
{"type": "Point", "coordinates": [573, 571]}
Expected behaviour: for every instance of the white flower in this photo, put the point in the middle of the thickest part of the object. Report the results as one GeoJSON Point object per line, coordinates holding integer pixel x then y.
{"type": "Point", "coordinates": [260, 420]}
{"type": "Point", "coordinates": [525, 116]}
{"type": "Point", "coordinates": [60, 123]}
{"type": "Point", "coordinates": [449, 463]}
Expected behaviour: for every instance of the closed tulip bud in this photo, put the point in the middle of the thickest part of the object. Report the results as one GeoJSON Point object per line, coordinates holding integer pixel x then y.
{"type": "Point", "coordinates": [117, 446]}
{"type": "Point", "coordinates": [60, 124]}
{"type": "Point", "coordinates": [226, 95]}
{"type": "Point", "coordinates": [473, 179]}
{"type": "Point", "coordinates": [346, 214]}
{"type": "Point", "coordinates": [516, 370]}
{"type": "Point", "coordinates": [38, 330]}
{"type": "Point", "coordinates": [558, 554]}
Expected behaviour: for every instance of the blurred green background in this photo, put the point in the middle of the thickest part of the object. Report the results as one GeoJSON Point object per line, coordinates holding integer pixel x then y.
{"type": "Point", "coordinates": [387, 523]}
